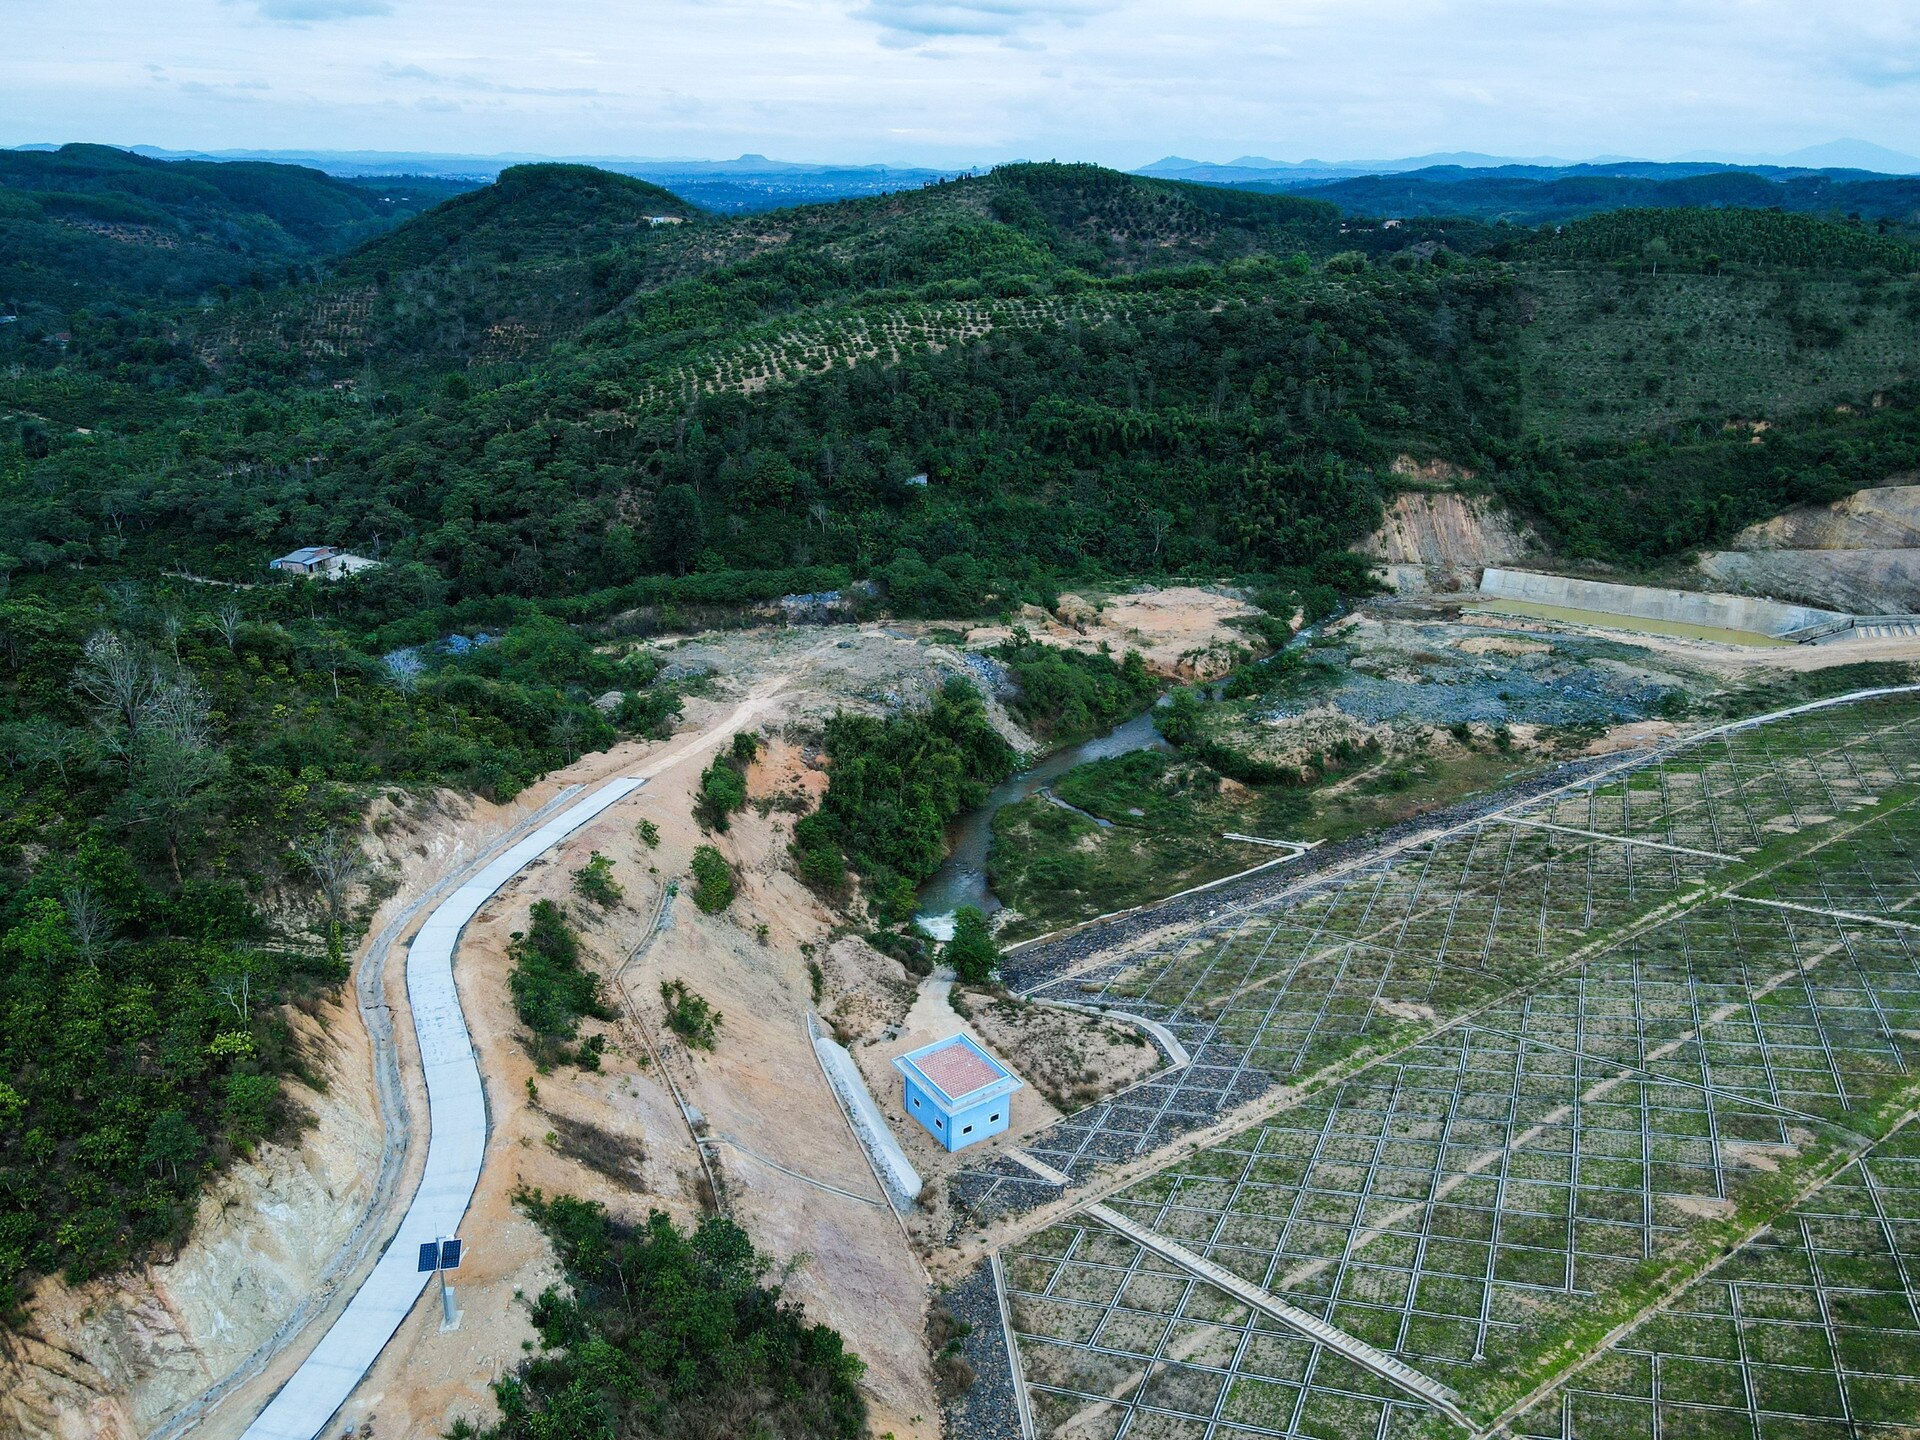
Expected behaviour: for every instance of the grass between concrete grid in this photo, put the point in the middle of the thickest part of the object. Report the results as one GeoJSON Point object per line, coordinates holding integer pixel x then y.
{"type": "Point", "coordinates": [1508, 1187]}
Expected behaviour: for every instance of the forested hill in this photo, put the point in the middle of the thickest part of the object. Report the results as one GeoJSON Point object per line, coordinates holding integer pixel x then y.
{"type": "Point", "coordinates": [537, 390]}
{"type": "Point", "coordinates": [556, 422]}
{"type": "Point", "coordinates": [532, 212]}
{"type": "Point", "coordinates": [1525, 195]}
{"type": "Point", "coordinates": [88, 226]}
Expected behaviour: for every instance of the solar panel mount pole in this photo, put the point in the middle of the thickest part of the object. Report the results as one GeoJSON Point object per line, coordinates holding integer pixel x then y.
{"type": "Point", "coordinates": [450, 1318]}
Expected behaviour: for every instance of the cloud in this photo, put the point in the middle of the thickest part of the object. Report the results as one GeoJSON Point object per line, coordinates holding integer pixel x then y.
{"type": "Point", "coordinates": [925, 19]}
{"type": "Point", "coordinates": [480, 85]}
{"type": "Point", "coordinates": [233, 89]}
{"type": "Point", "coordinates": [305, 12]}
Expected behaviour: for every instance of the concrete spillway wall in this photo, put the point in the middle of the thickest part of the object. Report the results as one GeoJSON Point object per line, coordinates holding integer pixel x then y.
{"type": "Point", "coordinates": [1686, 607]}
{"type": "Point", "coordinates": [890, 1162]}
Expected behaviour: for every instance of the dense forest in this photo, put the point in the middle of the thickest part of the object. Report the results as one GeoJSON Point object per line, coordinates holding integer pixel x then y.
{"type": "Point", "coordinates": [570, 407]}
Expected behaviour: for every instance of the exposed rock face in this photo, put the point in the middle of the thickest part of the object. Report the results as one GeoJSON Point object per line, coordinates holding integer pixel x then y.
{"type": "Point", "coordinates": [114, 1358]}
{"type": "Point", "coordinates": [1858, 582]}
{"type": "Point", "coordinates": [1860, 554]}
{"type": "Point", "coordinates": [1884, 518]}
{"type": "Point", "coordinates": [1442, 541]}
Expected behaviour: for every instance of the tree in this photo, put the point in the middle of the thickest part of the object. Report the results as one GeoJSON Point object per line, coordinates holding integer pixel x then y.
{"type": "Point", "coordinates": [713, 880]}
{"type": "Point", "coordinates": [231, 978]}
{"type": "Point", "coordinates": [971, 952]}
{"type": "Point", "coordinates": [226, 620]}
{"type": "Point", "coordinates": [89, 923]}
{"type": "Point", "coordinates": [404, 669]}
{"type": "Point", "coordinates": [42, 742]}
{"type": "Point", "coordinates": [121, 680]}
{"type": "Point", "coordinates": [332, 654]}
{"type": "Point", "coordinates": [679, 528]}
{"type": "Point", "coordinates": [175, 764]}
{"type": "Point", "coordinates": [172, 626]}
{"type": "Point", "coordinates": [337, 863]}
{"type": "Point", "coordinates": [173, 1142]}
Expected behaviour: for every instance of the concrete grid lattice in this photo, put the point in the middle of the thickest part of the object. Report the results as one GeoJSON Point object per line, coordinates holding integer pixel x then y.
{"type": "Point", "coordinates": [1591, 1106]}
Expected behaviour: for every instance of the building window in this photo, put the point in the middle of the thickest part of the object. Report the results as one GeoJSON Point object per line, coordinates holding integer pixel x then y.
{"type": "Point", "coordinates": [916, 1102]}
{"type": "Point", "coordinates": [967, 1131]}
{"type": "Point", "coordinates": [992, 1118]}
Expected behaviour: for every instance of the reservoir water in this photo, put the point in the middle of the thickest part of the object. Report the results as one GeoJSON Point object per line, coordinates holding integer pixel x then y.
{"type": "Point", "coordinates": [962, 880]}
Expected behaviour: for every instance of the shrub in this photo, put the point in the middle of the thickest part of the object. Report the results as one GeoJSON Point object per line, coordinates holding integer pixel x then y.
{"type": "Point", "coordinates": [896, 783]}
{"type": "Point", "coordinates": [552, 992]}
{"type": "Point", "coordinates": [817, 857]}
{"type": "Point", "coordinates": [1066, 695]}
{"type": "Point", "coordinates": [662, 1332]}
{"type": "Point", "coordinates": [712, 880]}
{"type": "Point", "coordinates": [723, 790]}
{"type": "Point", "coordinates": [594, 881]}
{"type": "Point", "coordinates": [688, 1015]}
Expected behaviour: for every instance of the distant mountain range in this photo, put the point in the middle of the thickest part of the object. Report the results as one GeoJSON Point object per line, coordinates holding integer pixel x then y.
{"type": "Point", "coordinates": [1521, 189]}
{"type": "Point", "coordinates": [1857, 155]}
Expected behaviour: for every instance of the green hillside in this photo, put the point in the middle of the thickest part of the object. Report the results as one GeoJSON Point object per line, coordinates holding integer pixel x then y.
{"type": "Point", "coordinates": [1525, 195]}
{"type": "Point", "coordinates": [531, 212]}
{"type": "Point", "coordinates": [554, 252]}
{"type": "Point", "coordinates": [1712, 240]}
{"type": "Point", "coordinates": [541, 411]}
{"type": "Point", "coordinates": [87, 226]}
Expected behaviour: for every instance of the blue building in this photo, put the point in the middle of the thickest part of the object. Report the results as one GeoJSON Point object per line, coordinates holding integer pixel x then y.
{"type": "Point", "coordinates": [958, 1091]}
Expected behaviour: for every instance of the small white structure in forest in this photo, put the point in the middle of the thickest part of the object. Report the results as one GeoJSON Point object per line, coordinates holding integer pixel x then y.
{"type": "Point", "coordinates": [321, 562]}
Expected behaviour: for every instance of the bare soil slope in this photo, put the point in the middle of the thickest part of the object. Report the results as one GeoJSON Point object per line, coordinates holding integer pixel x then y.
{"type": "Point", "coordinates": [1441, 540]}
{"type": "Point", "coordinates": [1860, 554]}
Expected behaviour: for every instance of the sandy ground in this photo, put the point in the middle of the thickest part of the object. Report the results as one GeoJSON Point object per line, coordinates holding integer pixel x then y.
{"type": "Point", "coordinates": [1183, 632]}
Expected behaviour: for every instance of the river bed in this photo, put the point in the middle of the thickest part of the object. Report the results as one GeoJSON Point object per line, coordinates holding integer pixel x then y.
{"type": "Point", "coordinates": [962, 880]}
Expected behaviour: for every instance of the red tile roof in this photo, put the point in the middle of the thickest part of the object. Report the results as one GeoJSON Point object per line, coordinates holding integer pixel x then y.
{"type": "Point", "coordinates": [956, 1069]}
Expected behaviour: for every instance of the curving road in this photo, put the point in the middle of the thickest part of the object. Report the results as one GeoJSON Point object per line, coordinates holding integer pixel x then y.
{"type": "Point", "coordinates": [456, 1144]}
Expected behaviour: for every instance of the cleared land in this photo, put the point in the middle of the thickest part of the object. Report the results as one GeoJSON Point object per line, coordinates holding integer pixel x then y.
{"type": "Point", "coordinates": [1487, 1100]}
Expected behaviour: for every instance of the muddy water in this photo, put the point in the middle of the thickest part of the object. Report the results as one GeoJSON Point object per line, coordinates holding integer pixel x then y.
{"type": "Point", "coordinates": [1607, 620]}
{"type": "Point", "coordinates": [962, 880]}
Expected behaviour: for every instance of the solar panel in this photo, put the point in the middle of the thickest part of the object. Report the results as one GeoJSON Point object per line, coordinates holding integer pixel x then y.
{"type": "Point", "coordinates": [449, 1254]}
{"type": "Point", "coordinates": [429, 1256]}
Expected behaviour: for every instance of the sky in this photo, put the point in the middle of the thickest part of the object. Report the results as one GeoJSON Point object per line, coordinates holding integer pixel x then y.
{"type": "Point", "coordinates": [958, 82]}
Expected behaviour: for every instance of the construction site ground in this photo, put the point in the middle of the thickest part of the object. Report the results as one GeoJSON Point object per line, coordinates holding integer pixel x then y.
{"type": "Point", "coordinates": [789, 1169]}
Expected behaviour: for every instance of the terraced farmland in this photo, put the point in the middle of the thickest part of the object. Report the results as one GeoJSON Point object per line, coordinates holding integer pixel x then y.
{"type": "Point", "coordinates": [1489, 1103]}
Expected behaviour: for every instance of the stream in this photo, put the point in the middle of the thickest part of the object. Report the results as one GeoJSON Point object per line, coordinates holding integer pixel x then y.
{"type": "Point", "coordinates": [962, 879]}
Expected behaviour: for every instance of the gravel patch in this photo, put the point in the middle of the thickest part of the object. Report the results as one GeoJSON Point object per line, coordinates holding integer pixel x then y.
{"type": "Point", "coordinates": [987, 1411]}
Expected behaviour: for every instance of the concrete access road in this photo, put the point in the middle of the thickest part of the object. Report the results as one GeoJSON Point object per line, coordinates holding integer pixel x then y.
{"type": "Point", "coordinates": [456, 1145]}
